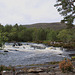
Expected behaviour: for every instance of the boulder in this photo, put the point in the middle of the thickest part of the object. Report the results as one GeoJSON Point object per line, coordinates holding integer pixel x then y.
{"type": "Point", "coordinates": [5, 51]}
{"type": "Point", "coordinates": [36, 70]}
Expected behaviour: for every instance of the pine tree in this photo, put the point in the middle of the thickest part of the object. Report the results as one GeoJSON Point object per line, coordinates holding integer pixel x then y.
{"type": "Point", "coordinates": [67, 9]}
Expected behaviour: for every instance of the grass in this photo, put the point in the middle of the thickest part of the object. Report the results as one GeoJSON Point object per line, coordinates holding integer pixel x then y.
{"type": "Point", "coordinates": [53, 63]}
{"type": "Point", "coordinates": [73, 57]}
{"type": "Point", "coordinates": [49, 63]}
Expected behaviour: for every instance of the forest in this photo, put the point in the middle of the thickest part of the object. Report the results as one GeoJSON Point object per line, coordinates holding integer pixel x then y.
{"type": "Point", "coordinates": [19, 33]}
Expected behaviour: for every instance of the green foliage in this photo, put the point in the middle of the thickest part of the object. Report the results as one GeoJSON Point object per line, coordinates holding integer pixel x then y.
{"type": "Point", "coordinates": [51, 35]}
{"type": "Point", "coordinates": [7, 28]}
{"type": "Point", "coordinates": [39, 34]}
{"type": "Point", "coordinates": [25, 35]}
{"type": "Point", "coordinates": [67, 9]}
{"type": "Point", "coordinates": [20, 33]}
{"type": "Point", "coordinates": [73, 57]}
{"type": "Point", "coordinates": [65, 35]}
{"type": "Point", "coordinates": [1, 28]}
{"type": "Point", "coordinates": [3, 38]}
{"type": "Point", "coordinates": [2, 67]}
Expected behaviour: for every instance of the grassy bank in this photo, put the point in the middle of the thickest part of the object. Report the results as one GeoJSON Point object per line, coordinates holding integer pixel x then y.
{"type": "Point", "coordinates": [50, 68]}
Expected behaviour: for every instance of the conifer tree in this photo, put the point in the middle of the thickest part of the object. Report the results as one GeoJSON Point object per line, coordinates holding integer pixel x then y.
{"type": "Point", "coordinates": [67, 9]}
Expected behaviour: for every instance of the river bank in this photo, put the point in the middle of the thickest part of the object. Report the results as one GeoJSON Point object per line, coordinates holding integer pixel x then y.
{"type": "Point", "coordinates": [68, 45]}
{"type": "Point", "coordinates": [39, 69]}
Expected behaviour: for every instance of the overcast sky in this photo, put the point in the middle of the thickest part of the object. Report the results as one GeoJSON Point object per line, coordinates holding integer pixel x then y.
{"type": "Point", "coordinates": [28, 11]}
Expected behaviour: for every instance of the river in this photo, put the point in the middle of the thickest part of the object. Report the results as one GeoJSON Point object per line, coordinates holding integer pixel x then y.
{"type": "Point", "coordinates": [26, 56]}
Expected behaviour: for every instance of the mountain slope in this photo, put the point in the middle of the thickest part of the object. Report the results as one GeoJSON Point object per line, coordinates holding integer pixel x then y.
{"type": "Point", "coordinates": [56, 25]}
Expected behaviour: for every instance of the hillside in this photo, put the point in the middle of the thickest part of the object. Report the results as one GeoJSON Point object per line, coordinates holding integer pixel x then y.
{"type": "Point", "coordinates": [56, 25]}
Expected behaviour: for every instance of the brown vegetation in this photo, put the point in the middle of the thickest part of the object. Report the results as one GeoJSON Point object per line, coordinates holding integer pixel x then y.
{"type": "Point", "coordinates": [66, 65]}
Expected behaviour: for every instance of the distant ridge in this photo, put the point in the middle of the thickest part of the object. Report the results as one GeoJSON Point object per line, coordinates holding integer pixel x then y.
{"type": "Point", "coordinates": [56, 25]}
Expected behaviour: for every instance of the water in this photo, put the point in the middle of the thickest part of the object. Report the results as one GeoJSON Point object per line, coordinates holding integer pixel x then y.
{"type": "Point", "coordinates": [30, 56]}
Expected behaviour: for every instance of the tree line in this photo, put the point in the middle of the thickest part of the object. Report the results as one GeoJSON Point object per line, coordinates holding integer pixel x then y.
{"type": "Point", "coordinates": [19, 33]}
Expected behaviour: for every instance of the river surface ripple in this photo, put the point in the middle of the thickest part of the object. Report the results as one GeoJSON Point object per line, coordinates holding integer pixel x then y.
{"type": "Point", "coordinates": [30, 57]}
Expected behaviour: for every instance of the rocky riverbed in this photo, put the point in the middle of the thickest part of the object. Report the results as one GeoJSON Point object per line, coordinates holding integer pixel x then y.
{"type": "Point", "coordinates": [43, 69]}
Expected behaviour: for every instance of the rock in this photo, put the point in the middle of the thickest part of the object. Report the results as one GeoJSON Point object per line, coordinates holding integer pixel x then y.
{"type": "Point", "coordinates": [44, 73]}
{"type": "Point", "coordinates": [71, 73]}
{"type": "Point", "coordinates": [36, 70]}
{"type": "Point", "coordinates": [60, 54]}
{"type": "Point", "coordinates": [20, 73]}
{"type": "Point", "coordinates": [61, 73]}
{"type": "Point", "coordinates": [16, 50]}
{"type": "Point", "coordinates": [5, 51]}
{"type": "Point", "coordinates": [74, 70]}
{"type": "Point", "coordinates": [32, 74]}
{"type": "Point", "coordinates": [45, 69]}
{"type": "Point", "coordinates": [58, 73]}
{"type": "Point", "coordinates": [52, 73]}
{"type": "Point", "coordinates": [7, 73]}
{"type": "Point", "coordinates": [31, 70]}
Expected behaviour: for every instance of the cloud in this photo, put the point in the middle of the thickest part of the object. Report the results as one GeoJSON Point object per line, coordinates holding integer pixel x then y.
{"type": "Point", "coordinates": [28, 11]}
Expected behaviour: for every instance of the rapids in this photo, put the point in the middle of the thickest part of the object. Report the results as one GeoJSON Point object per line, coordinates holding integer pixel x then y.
{"type": "Point", "coordinates": [30, 53]}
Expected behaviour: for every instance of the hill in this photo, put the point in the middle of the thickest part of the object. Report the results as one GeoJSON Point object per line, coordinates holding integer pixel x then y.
{"type": "Point", "coordinates": [56, 25]}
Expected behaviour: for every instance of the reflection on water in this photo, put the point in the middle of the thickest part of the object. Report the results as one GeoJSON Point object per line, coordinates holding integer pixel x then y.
{"type": "Point", "coordinates": [28, 55]}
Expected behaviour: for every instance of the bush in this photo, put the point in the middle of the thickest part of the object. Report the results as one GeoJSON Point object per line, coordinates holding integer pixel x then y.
{"type": "Point", "coordinates": [66, 65]}
{"type": "Point", "coordinates": [8, 68]}
{"type": "Point", "coordinates": [2, 67]}
{"type": "Point", "coordinates": [73, 58]}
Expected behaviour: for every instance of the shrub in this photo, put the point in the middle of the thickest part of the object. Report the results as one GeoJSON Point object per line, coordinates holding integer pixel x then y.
{"type": "Point", "coordinates": [66, 65]}
{"type": "Point", "coordinates": [8, 68]}
{"type": "Point", "coordinates": [73, 57]}
{"type": "Point", "coordinates": [2, 67]}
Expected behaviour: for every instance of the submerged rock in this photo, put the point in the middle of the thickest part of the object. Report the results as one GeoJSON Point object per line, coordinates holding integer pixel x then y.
{"type": "Point", "coordinates": [60, 54]}
{"type": "Point", "coordinates": [16, 50]}
{"type": "Point", "coordinates": [5, 51]}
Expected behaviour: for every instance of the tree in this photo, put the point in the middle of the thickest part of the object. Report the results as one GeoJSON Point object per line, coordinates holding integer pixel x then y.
{"type": "Point", "coordinates": [20, 28]}
{"type": "Point", "coordinates": [7, 28]}
{"type": "Point", "coordinates": [65, 35]}
{"type": "Point", "coordinates": [51, 36]}
{"type": "Point", "coordinates": [25, 35]}
{"type": "Point", "coordinates": [3, 38]}
{"type": "Point", "coordinates": [1, 28]}
{"type": "Point", "coordinates": [35, 35]}
{"type": "Point", "coordinates": [13, 36]}
{"type": "Point", "coordinates": [0, 40]}
{"type": "Point", "coordinates": [39, 34]}
{"type": "Point", "coordinates": [67, 9]}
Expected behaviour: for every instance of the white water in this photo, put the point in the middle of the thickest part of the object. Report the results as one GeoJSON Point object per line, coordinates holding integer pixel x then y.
{"type": "Point", "coordinates": [25, 54]}
{"type": "Point", "coordinates": [42, 48]}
